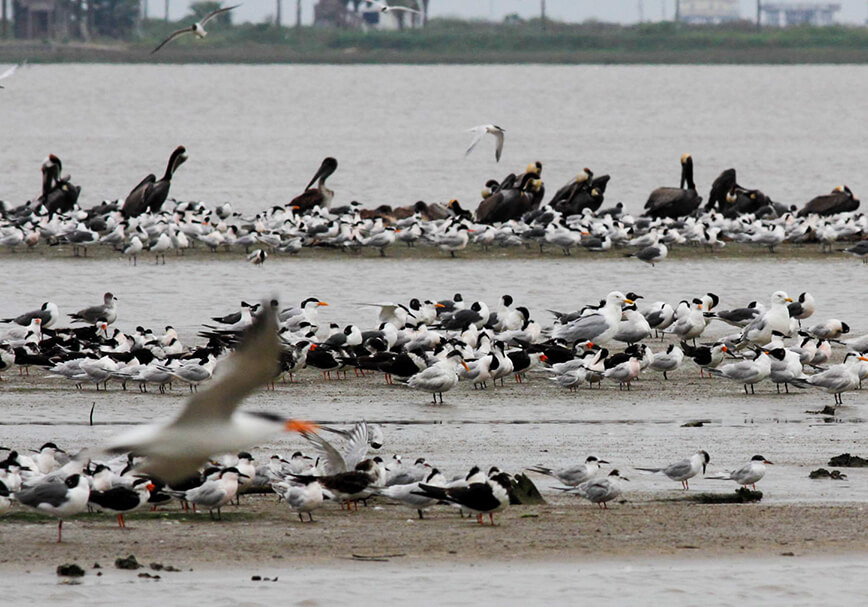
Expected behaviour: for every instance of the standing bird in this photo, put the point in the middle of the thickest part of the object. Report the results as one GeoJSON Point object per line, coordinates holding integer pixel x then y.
{"type": "Point", "coordinates": [107, 312]}
{"type": "Point", "coordinates": [209, 423]}
{"type": "Point", "coordinates": [480, 131]}
{"type": "Point", "coordinates": [150, 194]}
{"type": "Point", "coordinates": [749, 474]}
{"type": "Point", "coordinates": [320, 196]}
{"type": "Point", "coordinates": [121, 499]}
{"type": "Point", "coordinates": [488, 497]}
{"type": "Point", "coordinates": [57, 499]}
{"type": "Point", "coordinates": [675, 202]}
{"type": "Point", "coordinates": [197, 28]}
{"type": "Point", "coordinates": [601, 490]}
{"type": "Point", "coordinates": [574, 475]}
{"type": "Point", "coordinates": [683, 470]}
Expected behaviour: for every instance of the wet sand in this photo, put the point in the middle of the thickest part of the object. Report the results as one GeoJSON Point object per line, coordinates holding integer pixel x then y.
{"type": "Point", "coordinates": [261, 531]}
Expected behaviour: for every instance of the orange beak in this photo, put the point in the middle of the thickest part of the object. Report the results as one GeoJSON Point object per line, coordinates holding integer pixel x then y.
{"type": "Point", "coordinates": [464, 364]}
{"type": "Point", "coordinates": [439, 305]}
{"type": "Point", "coordinates": [298, 425]}
{"type": "Point", "coordinates": [724, 348]}
{"type": "Point", "coordinates": [321, 303]}
{"type": "Point", "coordinates": [313, 347]}
{"type": "Point", "coordinates": [543, 357]}
{"type": "Point", "coordinates": [150, 486]}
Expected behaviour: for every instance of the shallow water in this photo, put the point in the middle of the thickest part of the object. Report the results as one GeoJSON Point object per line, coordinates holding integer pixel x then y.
{"type": "Point", "coordinates": [256, 134]}
{"type": "Point", "coordinates": [675, 582]}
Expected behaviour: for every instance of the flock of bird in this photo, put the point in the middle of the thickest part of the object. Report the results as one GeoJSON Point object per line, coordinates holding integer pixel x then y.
{"type": "Point", "coordinates": [431, 346]}
{"type": "Point", "coordinates": [513, 212]}
{"type": "Point", "coordinates": [185, 458]}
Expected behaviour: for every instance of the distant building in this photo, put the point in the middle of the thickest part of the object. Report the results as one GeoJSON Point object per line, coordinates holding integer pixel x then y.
{"type": "Point", "coordinates": [709, 11]}
{"type": "Point", "coordinates": [40, 19]}
{"type": "Point", "coordinates": [787, 14]}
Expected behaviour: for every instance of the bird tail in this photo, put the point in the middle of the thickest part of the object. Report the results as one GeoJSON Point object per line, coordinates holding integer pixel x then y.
{"type": "Point", "coordinates": [719, 476]}
{"type": "Point", "coordinates": [650, 470]}
{"type": "Point", "coordinates": [717, 372]}
{"type": "Point", "coordinates": [438, 493]}
{"type": "Point", "coordinates": [543, 469]}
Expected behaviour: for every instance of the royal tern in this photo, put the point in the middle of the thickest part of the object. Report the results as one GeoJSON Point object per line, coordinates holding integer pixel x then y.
{"type": "Point", "coordinates": [598, 327]}
{"type": "Point", "coordinates": [209, 423]}
{"type": "Point", "coordinates": [440, 377]}
{"type": "Point", "coordinates": [683, 470]}
{"type": "Point", "coordinates": [480, 131]}
{"type": "Point", "coordinates": [197, 28]}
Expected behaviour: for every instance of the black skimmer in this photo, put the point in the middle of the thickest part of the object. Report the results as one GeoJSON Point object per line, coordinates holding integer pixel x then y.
{"type": "Point", "coordinates": [480, 498]}
{"type": "Point", "coordinates": [120, 500]}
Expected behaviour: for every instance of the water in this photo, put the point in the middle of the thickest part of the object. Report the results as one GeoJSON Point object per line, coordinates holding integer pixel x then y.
{"type": "Point", "coordinates": [677, 582]}
{"type": "Point", "coordinates": [256, 134]}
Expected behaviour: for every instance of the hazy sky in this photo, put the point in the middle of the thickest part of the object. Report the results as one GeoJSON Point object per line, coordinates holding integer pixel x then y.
{"type": "Point", "coordinates": [624, 11]}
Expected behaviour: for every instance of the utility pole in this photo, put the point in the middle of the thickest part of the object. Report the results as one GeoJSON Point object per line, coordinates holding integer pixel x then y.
{"type": "Point", "coordinates": [542, 6]}
{"type": "Point", "coordinates": [677, 11]}
{"type": "Point", "coordinates": [166, 17]}
{"type": "Point", "coordinates": [759, 14]}
{"type": "Point", "coordinates": [144, 10]}
{"type": "Point", "coordinates": [641, 12]}
{"type": "Point", "coordinates": [4, 18]}
{"type": "Point", "coordinates": [278, 17]}
{"type": "Point", "coordinates": [297, 14]}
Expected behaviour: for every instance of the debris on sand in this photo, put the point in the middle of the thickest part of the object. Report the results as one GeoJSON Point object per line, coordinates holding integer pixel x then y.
{"type": "Point", "coordinates": [835, 475]}
{"type": "Point", "coordinates": [70, 570]}
{"type": "Point", "coordinates": [742, 495]}
{"type": "Point", "coordinates": [845, 460]}
{"type": "Point", "coordinates": [128, 563]}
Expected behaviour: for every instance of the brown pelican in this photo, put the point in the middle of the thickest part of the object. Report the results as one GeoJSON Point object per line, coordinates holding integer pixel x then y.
{"type": "Point", "coordinates": [510, 203]}
{"type": "Point", "coordinates": [840, 200]}
{"type": "Point", "coordinates": [320, 196]}
{"type": "Point", "coordinates": [197, 28]}
{"type": "Point", "coordinates": [58, 193]}
{"type": "Point", "coordinates": [675, 202]}
{"type": "Point", "coordinates": [150, 194]}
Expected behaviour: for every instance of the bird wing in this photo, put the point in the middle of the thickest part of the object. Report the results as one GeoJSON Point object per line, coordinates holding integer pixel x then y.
{"type": "Point", "coordinates": [380, 4]}
{"type": "Point", "coordinates": [216, 12]}
{"type": "Point", "coordinates": [252, 364]}
{"type": "Point", "coordinates": [357, 445]}
{"type": "Point", "coordinates": [173, 35]}
{"type": "Point", "coordinates": [404, 8]}
{"type": "Point", "coordinates": [478, 133]}
{"type": "Point", "coordinates": [10, 71]}
{"type": "Point", "coordinates": [499, 135]}
{"type": "Point", "coordinates": [334, 461]}
{"type": "Point", "coordinates": [677, 469]}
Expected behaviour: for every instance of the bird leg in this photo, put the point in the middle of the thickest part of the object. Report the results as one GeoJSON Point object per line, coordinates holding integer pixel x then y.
{"type": "Point", "coordinates": [491, 518]}
{"type": "Point", "coordinates": [59, 527]}
{"type": "Point", "coordinates": [421, 516]}
{"type": "Point", "coordinates": [479, 519]}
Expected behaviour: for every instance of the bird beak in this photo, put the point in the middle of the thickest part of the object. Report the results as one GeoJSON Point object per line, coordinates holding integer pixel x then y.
{"type": "Point", "coordinates": [725, 349]}
{"type": "Point", "coordinates": [439, 305]}
{"type": "Point", "coordinates": [789, 299]}
{"type": "Point", "coordinates": [602, 461]}
{"type": "Point", "coordinates": [628, 301]}
{"type": "Point", "coordinates": [301, 426]}
{"type": "Point", "coordinates": [543, 357]}
{"type": "Point", "coordinates": [464, 364]}
{"type": "Point", "coordinates": [765, 461]}
{"type": "Point", "coordinates": [703, 469]}
{"type": "Point", "coordinates": [624, 478]}
{"type": "Point", "coordinates": [243, 475]}
{"type": "Point", "coordinates": [321, 303]}
{"type": "Point", "coordinates": [150, 486]}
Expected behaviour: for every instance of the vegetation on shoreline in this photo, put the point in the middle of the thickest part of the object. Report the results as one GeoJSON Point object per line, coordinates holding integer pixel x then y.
{"type": "Point", "coordinates": [453, 41]}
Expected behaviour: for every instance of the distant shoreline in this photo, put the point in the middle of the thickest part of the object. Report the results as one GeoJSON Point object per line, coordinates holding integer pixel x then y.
{"type": "Point", "coordinates": [460, 42]}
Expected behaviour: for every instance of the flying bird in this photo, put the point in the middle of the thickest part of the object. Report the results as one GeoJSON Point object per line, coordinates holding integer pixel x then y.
{"type": "Point", "coordinates": [480, 131]}
{"type": "Point", "coordinates": [197, 28]}
{"type": "Point", "coordinates": [386, 8]}
{"type": "Point", "coordinates": [209, 423]}
{"type": "Point", "coordinates": [9, 72]}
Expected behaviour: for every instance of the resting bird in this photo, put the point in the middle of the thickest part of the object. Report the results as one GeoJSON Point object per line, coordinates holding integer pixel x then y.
{"type": "Point", "coordinates": [840, 200]}
{"type": "Point", "coordinates": [675, 202]}
{"type": "Point", "coordinates": [150, 193]}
